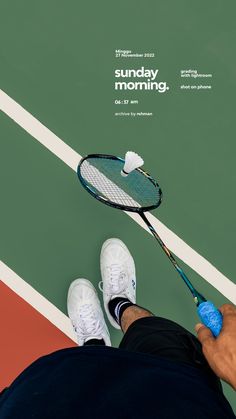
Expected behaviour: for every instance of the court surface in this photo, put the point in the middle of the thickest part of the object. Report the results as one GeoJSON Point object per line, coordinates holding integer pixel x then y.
{"type": "Point", "coordinates": [57, 63]}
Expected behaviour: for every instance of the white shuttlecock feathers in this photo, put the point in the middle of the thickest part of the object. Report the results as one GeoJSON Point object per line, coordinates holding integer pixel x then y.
{"type": "Point", "coordinates": [132, 162]}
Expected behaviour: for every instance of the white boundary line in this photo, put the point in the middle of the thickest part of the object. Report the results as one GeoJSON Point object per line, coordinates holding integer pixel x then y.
{"type": "Point", "coordinates": [192, 258]}
{"type": "Point", "coordinates": [69, 156]}
{"type": "Point", "coordinates": [39, 131]}
{"type": "Point", "coordinates": [36, 300]}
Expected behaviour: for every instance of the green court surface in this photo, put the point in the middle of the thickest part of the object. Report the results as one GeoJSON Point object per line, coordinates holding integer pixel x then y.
{"type": "Point", "coordinates": [57, 61]}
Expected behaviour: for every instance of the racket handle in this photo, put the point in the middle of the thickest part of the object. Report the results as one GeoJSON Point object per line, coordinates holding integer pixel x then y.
{"type": "Point", "coordinates": [210, 316]}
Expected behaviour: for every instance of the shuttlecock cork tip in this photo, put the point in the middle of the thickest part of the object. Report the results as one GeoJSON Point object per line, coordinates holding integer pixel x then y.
{"type": "Point", "coordinates": [132, 162]}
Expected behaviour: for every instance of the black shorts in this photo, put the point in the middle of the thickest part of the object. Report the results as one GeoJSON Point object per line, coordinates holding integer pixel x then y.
{"type": "Point", "coordinates": [167, 339]}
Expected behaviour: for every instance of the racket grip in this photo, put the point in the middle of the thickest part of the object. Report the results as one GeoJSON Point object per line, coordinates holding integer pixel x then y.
{"type": "Point", "coordinates": [210, 316]}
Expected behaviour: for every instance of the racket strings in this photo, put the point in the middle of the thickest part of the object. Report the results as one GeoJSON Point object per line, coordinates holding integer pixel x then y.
{"type": "Point", "coordinates": [105, 187]}
{"type": "Point", "coordinates": [135, 184]}
{"type": "Point", "coordinates": [103, 177]}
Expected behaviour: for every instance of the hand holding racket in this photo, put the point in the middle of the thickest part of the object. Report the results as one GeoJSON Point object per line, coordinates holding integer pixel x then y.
{"type": "Point", "coordinates": [124, 185]}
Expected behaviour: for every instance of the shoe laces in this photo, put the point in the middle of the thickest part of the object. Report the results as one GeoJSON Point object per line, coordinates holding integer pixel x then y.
{"type": "Point", "coordinates": [87, 322]}
{"type": "Point", "coordinates": [116, 282]}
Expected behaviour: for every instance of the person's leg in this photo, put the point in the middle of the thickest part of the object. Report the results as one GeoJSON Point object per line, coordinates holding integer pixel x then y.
{"type": "Point", "coordinates": [124, 312]}
{"type": "Point", "coordinates": [91, 342]}
{"type": "Point", "coordinates": [86, 314]}
{"type": "Point", "coordinates": [131, 314]}
{"type": "Point", "coordinates": [143, 331]}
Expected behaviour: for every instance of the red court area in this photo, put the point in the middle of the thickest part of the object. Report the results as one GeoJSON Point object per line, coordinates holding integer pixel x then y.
{"type": "Point", "coordinates": [25, 336]}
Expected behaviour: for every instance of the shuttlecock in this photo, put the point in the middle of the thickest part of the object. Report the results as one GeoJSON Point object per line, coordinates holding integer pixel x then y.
{"type": "Point", "coordinates": [132, 161]}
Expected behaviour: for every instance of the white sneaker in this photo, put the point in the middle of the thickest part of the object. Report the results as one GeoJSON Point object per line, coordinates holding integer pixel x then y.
{"type": "Point", "coordinates": [85, 312]}
{"type": "Point", "coordinates": [118, 274]}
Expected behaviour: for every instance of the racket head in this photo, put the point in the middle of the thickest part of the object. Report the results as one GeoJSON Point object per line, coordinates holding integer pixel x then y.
{"type": "Point", "coordinates": [100, 175]}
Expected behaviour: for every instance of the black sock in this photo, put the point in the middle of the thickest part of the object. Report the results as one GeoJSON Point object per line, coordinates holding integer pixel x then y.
{"type": "Point", "coordinates": [117, 306]}
{"type": "Point", "coordinates": [94, 342]}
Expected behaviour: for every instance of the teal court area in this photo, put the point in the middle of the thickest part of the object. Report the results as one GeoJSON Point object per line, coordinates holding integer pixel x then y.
{"type": "Point", "coordinates": [58, 63]}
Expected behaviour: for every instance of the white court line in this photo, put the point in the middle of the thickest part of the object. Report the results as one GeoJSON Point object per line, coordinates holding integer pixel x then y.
{"type": "Point", "coordinates": [192, 258]}
{"type": "Point", "coordinates": [69, 156]}
{"type": "Point", "coordinates": [36, 300]}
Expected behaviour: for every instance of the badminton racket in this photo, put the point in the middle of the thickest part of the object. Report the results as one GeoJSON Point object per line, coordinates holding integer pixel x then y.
{"type": "Point", "coordinates": [122, 184]}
